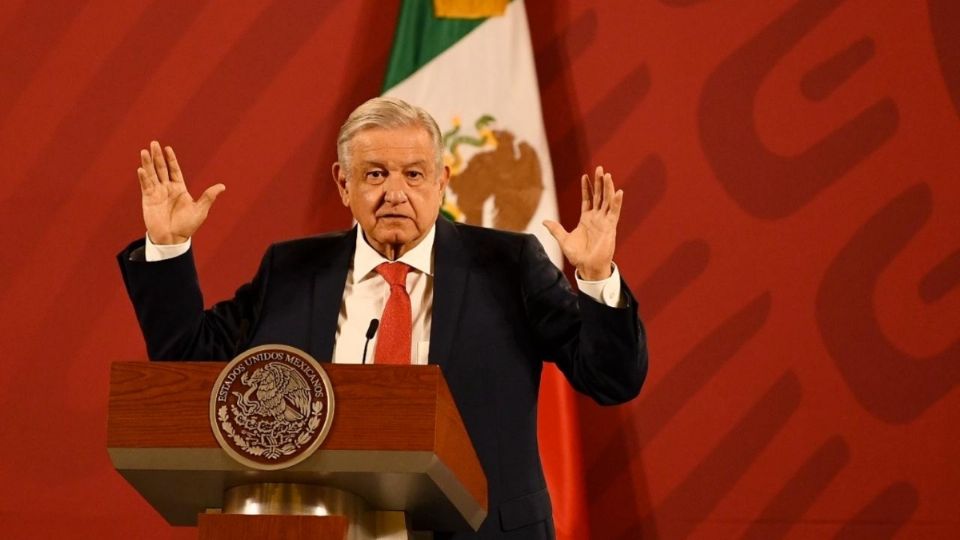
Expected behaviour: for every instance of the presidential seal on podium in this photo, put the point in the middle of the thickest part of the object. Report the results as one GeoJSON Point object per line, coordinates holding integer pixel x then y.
{"type": "Point", "coordinates": [271, 407]}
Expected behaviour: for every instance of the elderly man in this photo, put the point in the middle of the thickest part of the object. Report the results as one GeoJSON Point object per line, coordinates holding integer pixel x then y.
{"type": "Point", "coordinates": [487, 306]}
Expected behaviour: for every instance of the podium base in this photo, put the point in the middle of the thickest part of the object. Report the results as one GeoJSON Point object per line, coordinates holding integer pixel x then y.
{"type": "Point", "coordinates": [293, 500]}
{"type": "Point", "coordinates": [245, 527]}
{"type": "Point", "coordinates": [293, 511]}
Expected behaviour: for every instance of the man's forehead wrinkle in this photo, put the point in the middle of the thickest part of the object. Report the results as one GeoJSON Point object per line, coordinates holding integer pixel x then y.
{"type": "Point", "coordinates": [391, 138]}
{"type": "Point", "coordinates": [373, 152]}
{"type": "Point", "coordinates": [387, 164]}
{"type": "Point", "coordinates": [366, 147]}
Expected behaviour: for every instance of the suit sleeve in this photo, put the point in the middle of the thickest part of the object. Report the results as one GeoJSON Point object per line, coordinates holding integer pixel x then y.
{"type": "Point", "coordinates": [601, 350]}
{"type": "Point", "coordinates": [169, 306]}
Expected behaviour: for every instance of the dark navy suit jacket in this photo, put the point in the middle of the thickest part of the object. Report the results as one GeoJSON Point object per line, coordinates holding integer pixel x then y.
{"type": "Point", "coordinates": [500, 308]}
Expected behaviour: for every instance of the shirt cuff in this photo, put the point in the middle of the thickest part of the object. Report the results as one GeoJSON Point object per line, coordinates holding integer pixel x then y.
{"type": "Point", "coordinates": [605, 291]}
{"type": "Point", "coordinates": [155, 253]}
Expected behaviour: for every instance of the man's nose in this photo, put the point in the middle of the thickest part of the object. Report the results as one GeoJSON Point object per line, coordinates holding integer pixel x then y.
{"type": "Point", "coordinates": [395, 190]}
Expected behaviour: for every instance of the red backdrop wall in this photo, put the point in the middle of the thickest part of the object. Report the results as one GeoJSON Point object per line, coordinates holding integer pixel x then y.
{"type": "Point", "coordinates": [790, 230]}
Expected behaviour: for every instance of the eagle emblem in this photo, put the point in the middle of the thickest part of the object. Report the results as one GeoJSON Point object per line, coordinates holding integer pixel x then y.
{"type": "Point", "coordinates": [503, 175]}
{"type": "Point", "coordinates": [280, 391]}
{"type": "Point", "coordinates": [271, 407]}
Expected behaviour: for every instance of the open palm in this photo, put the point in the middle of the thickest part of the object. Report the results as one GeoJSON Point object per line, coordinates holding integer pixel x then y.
{"type": "Point", "coordinates": [590, 246]}
{"type": "Point", "coordinates": [169, 212]}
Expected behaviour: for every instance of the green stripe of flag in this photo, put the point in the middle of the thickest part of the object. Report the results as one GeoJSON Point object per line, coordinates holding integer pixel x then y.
{"type": "Point", "coordinates": [421, 37]}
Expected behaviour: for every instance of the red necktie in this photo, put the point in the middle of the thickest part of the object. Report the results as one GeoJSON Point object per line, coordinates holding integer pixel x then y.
{"type": "Point", "coordinates": [396, 324]}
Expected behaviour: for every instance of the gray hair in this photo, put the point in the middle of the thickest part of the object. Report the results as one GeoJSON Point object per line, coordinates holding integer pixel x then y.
{"type": "Point", "coordinates": [388, 113]}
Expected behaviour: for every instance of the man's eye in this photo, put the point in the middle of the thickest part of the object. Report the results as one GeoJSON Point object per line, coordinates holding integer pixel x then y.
{"type": "Point", "coordinates": [376, 176]}
{"type": "Point", "coordinates": [415, 175]}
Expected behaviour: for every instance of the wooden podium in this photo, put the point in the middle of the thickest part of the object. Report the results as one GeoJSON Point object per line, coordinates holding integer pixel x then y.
{"type": "Point", "coordinates": [397, 444]}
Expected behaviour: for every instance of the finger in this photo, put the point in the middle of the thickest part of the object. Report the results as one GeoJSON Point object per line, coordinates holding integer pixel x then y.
{"type": "Point", "coordinates": [616, 204]}
{"type": "Point", "coordinates": [146, 184]}
{"type": "Point", "coordinates": [585, 197]}
{"type": "Point", "coordinates": [209, 196]}
{"type": "Point", "coordinates": [597, 188]}
{"type": "Point", "coordinates": [608, 192]}
{"type": "Point", "coordinates": [159, 163]}
{"type": "Point", "coordinates": [146, 161]}
{"type": "Point", "coordinates": [175, 174]}
{"type": "Point", "coordinates": [556, 230]}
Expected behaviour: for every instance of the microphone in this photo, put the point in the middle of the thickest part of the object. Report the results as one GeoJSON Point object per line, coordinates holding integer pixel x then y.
{"type": "Point", "coordinates": [371, 331]}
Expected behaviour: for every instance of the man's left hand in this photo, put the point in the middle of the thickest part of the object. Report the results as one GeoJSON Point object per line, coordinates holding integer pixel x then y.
{"type": "Point", "coordinates": [590, 246]}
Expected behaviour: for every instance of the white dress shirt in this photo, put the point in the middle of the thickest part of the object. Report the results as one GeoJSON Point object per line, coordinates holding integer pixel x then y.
{"type": "Point", "coordinates": [365, 295]}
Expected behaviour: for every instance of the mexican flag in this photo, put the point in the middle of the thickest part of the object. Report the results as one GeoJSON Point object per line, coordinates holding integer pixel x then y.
{"type": "Point", "coordinates": [470, 64]}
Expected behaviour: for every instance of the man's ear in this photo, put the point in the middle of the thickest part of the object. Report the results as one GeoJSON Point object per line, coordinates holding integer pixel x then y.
{"type": "Point", "coordinates": [340, 178]}
{"type": "Point", "coordinates": [444, 178]}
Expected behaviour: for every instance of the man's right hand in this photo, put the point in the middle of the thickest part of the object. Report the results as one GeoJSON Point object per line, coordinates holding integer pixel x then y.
{"type": "Point", "coordinates": [169, 212]}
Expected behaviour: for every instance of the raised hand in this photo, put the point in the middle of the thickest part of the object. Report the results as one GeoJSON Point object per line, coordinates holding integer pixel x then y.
{"type": "Point", "coordinates": [169, 212]}
{"type": "Point", "coordinates": [590, 246]}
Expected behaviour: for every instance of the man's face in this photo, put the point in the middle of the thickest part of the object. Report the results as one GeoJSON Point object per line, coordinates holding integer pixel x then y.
{"type": "Point", "coordinates": [392, 186]}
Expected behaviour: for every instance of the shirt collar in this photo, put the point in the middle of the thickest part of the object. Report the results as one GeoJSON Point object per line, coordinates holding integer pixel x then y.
{"type": "Point", "coordinates": [420, 258]}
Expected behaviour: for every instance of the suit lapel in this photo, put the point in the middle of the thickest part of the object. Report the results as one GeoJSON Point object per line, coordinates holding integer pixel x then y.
{"type": "Point", "coordinates": [451, 275]}
{"type": "Point", "coordinates": [328, 285]}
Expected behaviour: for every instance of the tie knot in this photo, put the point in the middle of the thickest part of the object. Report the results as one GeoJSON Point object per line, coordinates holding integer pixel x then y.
{"type": "Point", "coordinates": [395, 273]}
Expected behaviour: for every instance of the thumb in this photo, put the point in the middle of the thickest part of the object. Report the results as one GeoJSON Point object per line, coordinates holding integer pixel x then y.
{"type": "Point", "coordinates": [210, 195]}
{"type": "Point", "coordinates": [556, 230]}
